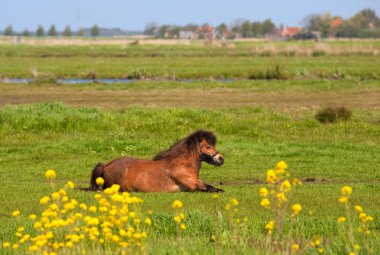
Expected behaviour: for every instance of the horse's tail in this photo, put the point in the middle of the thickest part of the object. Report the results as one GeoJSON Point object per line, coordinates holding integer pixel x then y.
{"type": "Point", "coordinates": [97, 172]}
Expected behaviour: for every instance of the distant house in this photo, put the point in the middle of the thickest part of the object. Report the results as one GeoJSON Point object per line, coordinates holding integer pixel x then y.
{"type": "Point", "coordinates": [189, 35]}
{"type": "Point", "coordinates": [206, 32]}
{"type": "Point", "coordinates": [289, 31]}
{"type": "Point", "coordinates": [336, 22]}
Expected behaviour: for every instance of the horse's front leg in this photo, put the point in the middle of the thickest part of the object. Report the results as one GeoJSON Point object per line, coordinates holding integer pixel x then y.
{"type": "Point", "coordinates": [212, 189]}
{"type": "Point", "coordinates": [192, 183]}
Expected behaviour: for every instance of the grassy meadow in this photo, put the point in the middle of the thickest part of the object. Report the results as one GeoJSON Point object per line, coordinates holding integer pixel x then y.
{"type": "Point", "coordinates": [264, 113]}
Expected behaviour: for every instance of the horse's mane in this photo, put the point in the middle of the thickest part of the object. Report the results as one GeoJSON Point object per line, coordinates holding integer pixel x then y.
{"type": "Point", "coordinates": [187, 145]}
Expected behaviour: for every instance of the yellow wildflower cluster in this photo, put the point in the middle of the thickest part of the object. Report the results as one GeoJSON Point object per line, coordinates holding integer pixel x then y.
{"type": "Point", "coordinates": [67, 226]}
{"type": "Point", "coordinates": [180, 216]}
{"type": "Point", "coordinates": [316, 244]}
{"type": "Point", "coordinates": [275, 195]}
{"type": "Point", "coordinates": [363, 218]}
{"type": "Point", "coordinates": [346, 192]}
{"type": "Point", "coordinates": [232, 211]}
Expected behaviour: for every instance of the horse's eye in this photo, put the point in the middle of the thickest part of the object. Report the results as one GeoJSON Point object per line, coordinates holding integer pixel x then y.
{"type": "Point", "coordinates": [208, 147]}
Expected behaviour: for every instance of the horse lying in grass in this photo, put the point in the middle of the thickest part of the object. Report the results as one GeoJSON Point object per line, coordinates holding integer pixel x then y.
{"type": "Point", "coordinates": [176, 169]}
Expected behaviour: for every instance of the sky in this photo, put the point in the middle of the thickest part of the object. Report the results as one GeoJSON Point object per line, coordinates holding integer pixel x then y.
{"type": "Point", "coordinates": [134, 15]}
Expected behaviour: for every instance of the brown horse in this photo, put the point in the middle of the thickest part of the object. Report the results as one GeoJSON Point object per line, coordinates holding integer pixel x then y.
{"type": "Point", "coordinates": [176, 169]}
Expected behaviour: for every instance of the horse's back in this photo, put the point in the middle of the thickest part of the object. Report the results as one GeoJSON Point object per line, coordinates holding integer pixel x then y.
{"type": "Point", "coordinates": [139, 175]}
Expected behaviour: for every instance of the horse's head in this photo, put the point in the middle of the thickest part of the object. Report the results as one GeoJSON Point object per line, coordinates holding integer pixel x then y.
{"type": "Point", "coordinates": [204, 143]}
{"type": "Point", "coordinates": [209, 154]}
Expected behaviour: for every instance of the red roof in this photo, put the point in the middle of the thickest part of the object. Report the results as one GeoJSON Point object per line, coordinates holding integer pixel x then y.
{"type": "Point", "coordinates": [336, 22]}
{"type": "Point", "coordinates": [290, 31]}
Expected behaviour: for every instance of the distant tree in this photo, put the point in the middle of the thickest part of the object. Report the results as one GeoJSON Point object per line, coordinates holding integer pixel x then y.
{"type": "Point", "coordinates": [236, 26]}
{"type": "Point", "coordinates": [151, 29]}
{"type": "Point", "coordinates": [80, 32]}
{"type": "Point", "coordinates": [163, 31]}
{"type": "Point", "coordinates": [267, 27]}
{"type": "Point", "coordinates": [26, 32]}
{"type": "Point", "coordinates": [174, 31]}
{"type": "Point", "coordinates": [319, 22]}
{"type": "Point", "coordinates": [8, 31]}
{"type": "Point", "coordinates": [365, 18]}
{"type": "Point", "coordinates": [40, 31]}
{"type": "Point", "coordinates": [95, 31]}
{"type": "Point", "coordinates": [67, 31]}
{"type": "Point", "coordinates": [52, 31]}
{"type": "Point", "coordinates": [190, 27]}
{"type": "Point", "coordinates": [246, 29]}
{"type": "Point", "coordinates": [256, 28]}
{"type": "Point", "coordinates": [221, 29]}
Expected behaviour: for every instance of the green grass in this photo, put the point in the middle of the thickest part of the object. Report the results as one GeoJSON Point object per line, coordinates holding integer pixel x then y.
{"type": "Point", "coordinates": [72, 140]}
{"type": "Point", "coordinates": [186, 62]}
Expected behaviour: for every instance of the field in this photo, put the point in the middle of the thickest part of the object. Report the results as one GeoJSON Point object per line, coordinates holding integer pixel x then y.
{"type": "Point", "coordinates": [259, 98]}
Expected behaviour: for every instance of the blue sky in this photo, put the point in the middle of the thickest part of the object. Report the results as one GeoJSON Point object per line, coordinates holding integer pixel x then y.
{"type": "Point", "coordinates": [134, 15]}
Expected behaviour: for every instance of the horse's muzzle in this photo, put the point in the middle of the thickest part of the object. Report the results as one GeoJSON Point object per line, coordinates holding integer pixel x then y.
{"type": "Point", "coordinates": [218, 161]}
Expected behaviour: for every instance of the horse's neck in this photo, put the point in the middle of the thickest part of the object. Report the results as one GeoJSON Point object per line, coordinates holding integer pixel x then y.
{"type": "Point", "coordinates": [189, 163]}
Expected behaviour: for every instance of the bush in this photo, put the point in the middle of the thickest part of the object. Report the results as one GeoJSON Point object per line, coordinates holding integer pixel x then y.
{"type": "Point", "coordinates": [275, 73]}
{"type": "Point", "coordinates": [333, 114]}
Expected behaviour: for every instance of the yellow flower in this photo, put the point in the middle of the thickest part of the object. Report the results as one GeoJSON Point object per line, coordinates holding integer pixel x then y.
{"type": "Point", "coordinates": [55, 195]}
{"type": "Point", "coordinates": [70, 184]}
{"type": "Point", "coordinates": [50, 174]}
{"type": "Point", "coordinates": [263, 192]}
{"type": "Point", "coordinates": [215, 196]}
{"type": "Point", "coordinates": [359, 209]}
{"type": "Point", "coordinates": [285, 186]}
{"type": "Point", "coordinates": [341, 219]}
{"type": "Point", "coordinates": [234, 202]}
{"type": "Point", "coordinates": [265, 203]}
{"type": "Point", "coordinates": [271, 176]}
{"type": "Point", "coordinates": [296, 209]}
{"type": "Point", "coordinates": [6, 244]}
{"type": "Point", "coordinates": [352, 253]}
{"type": "Point", "coordinates": [32, 216]}
{"type": "Point", "coordinates": [177, 219]}
{"type": "Point", "coordinates": [227, 207]}
{"type": "Point", "coordinates": [15, 246]}
{"type": "Point", "coordinates": [357, 247]}
{"type": "Point", "coordinates": [183, 226]}
{"type": "Point", "coordinates": [343, 200]}
{"type": "Point", "coordinates": [321, 250]}
{"type": "Point", "coordinates": [93, 209]}
{"type": "Point", "coordinates": [346, 190]}
{"type": "Point", "coordinates": [20, 229]}
{"type": "Point", "coordinates": [99, 181]}
{"type": "Point", "coordinates": [295, 247]}
{"type": "Point", "coordinates": [33, 248]}
{"type": "Point", "coordinates": [362, 216]}
{"type": "Point", "coordinates": [282, 165]}
{"type": "Point", "coordinates": [44, 200]}
{"type": "Point", "coordinates": [16, 213]}
{"type": "Point", "coordinates": [270, 226]}
{"type": "Point", "coordinates": [148, 221]}
{"type": "Point", "coordinates": [281, 197]}
{"type": "Point", "coordinates": [177, 204]}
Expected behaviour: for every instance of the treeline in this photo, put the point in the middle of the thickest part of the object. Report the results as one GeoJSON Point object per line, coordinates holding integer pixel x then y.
{"type": "Point", "coordinates": [364, 24]}
{"type": "Point", "coordinates": [240, 28]}
{"type": "Point", "coordinates": [52, 32]}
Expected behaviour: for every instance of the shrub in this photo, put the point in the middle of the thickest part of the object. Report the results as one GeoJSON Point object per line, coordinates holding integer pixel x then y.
{"type": "Point", "coordinates": [275, 73]}
{"type": "Point", "coordinates": [333, 114]}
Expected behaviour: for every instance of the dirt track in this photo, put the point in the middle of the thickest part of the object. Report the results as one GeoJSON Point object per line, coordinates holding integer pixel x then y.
{"type": "Point", "coordinates": [285, 101]}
